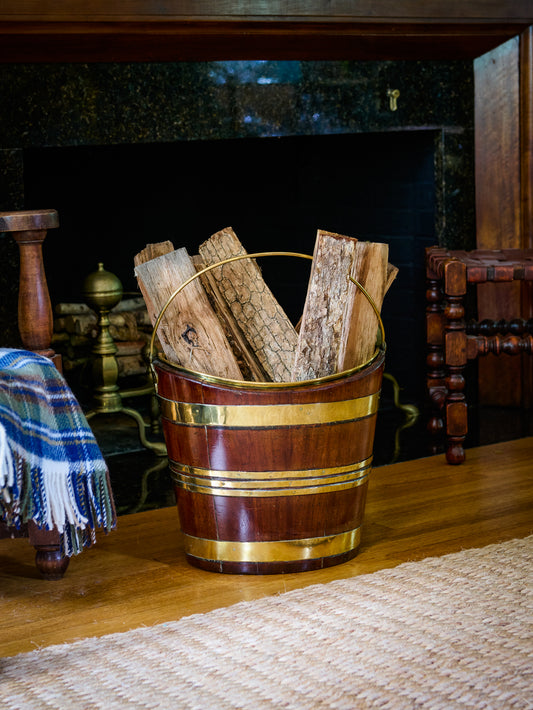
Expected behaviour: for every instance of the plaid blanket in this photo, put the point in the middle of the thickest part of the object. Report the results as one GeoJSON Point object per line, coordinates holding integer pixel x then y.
{"type": "Point", "coordinates": [51, 468]}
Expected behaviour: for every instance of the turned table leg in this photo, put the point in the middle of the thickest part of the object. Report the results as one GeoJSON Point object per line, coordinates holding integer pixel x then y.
{"type": "Point", "coordinates": [455, 349]}
{"type": "Point", "coordinates": [49, 560]}
{"type": "Point", "coordinates": [435, 374]}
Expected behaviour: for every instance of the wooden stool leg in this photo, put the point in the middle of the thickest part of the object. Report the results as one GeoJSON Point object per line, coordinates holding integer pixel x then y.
{"type": "Point", "coordinates": [435, 374]}
{"type": "Point", "coordinates": [49, 559]}
{"type": "Point", "coordinates": [455, 359]}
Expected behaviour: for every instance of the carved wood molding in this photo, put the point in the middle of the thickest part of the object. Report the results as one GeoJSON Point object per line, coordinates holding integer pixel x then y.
{"type": "Point", "coordinates": [130, 30]}
{"type": "Point", "coordinates": [346, 10]}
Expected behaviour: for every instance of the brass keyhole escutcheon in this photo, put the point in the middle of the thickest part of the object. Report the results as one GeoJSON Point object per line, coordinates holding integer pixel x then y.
{"type": "Point", "coordinates": [393, 95]}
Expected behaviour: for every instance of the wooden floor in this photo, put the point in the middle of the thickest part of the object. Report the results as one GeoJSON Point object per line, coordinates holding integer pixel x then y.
{"type": "Point", "coordinates": [137, 574]}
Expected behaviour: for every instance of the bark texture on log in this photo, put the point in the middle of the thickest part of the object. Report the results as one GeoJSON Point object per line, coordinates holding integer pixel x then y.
{"type": "Point", "coordinates": [190, 332]}
{"type": "Point", "coordinates": [260, 317]}
{"type": "Point", "coordinates": [248, 362]}
{"type": "Point", "coordinates": [322, 324]}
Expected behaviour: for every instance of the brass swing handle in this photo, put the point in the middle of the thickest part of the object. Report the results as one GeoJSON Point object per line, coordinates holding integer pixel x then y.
{"type": "Point", "coordinates": [157, 323]}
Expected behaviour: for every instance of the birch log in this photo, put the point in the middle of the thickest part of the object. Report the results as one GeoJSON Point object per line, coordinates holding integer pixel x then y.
{"type": "Point", "coordinates": [190, 332]}
{"type": "Point", "coordinates": [152, 251]}
{"type": "Point", "coordinates": [322, 321]}
{"type": "Point", "coordinates": [261, 319]}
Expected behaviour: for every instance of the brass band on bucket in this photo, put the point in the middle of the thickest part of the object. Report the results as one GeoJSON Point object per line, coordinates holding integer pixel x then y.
{"type": "Point", "coordinates": [268, 415]}
{"type": "Point", "coordinates": [265, 484]}
{"type": "Point", "coordinates": [272, 551]}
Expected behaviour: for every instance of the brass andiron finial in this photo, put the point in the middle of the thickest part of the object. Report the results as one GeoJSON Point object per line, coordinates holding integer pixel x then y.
{"type": "Point", "coordinates": [103, 291]}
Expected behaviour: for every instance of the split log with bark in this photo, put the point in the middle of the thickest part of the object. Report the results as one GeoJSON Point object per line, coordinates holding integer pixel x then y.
{"type": "Point", "coordinates": [339, 326]}
{"type": "Point", "coordinates": [269, 332]}
{"type": "Point", "coordinates": [227, 322]}
{"type": "Point", "coordinates": [190, 333]}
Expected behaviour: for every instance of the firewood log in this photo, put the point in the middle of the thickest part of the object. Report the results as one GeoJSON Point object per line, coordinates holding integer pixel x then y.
{"type": "Point", "coordinates": [322, 321]}
{"type": "Point", "coordinates": [360, 324]}
{"type": "Point", "coordinates": [130, 304]}
{"type": "Point", "coordinates": [72, 309]}
{"type": "Point", "coordinates": [392, 273]}
{"type": "Point", "coordinates": [130, 347]}
{"type": "Point", "coordinates": [152, 251]}
{"type": "Point", "coordinates": [339, 326]}
{"type": "Point", "coordinates": [190, 332]}
{"type": "Point", "coordinates": [248, 362]}
{"type": "Point", "coordinates": [260, 317]}
{"type": "Point", "coordinates": [130, 365]}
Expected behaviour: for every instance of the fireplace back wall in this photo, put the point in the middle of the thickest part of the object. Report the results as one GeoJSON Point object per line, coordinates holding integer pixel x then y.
{"type": "Point", "coordinates": [131, 154]}
{"type": "Point", "coordinates": [273, 192]}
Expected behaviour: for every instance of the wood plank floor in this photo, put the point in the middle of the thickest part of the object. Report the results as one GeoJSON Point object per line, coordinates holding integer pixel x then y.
{"type": "Point", "coordinates": [137, 574]}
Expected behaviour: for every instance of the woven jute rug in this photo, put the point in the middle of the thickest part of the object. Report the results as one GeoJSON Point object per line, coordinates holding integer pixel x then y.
{"type": "Point", "coordinates": [448, 632]}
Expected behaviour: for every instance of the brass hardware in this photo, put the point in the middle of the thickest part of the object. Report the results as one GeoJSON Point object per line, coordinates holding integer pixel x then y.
{"type": "Point", "coordinates": [374, 308]}
{"type": "Point", "coordinates": [394, 95]}
{"type": "Point", "coordinates": [272, 551]}
{"type": "Point", "coordinates": [411, 410]}
{"type": "Point", "coordinates": [411, 414]}
{"type": "Point", "coordinates": [184, 469]}
{"type": "Point", "coordinates": [266, 415]}
{"type": "Point", "coordinates": [260, 385]}
{"type": "Point", "coordinates": [103, 291]}
{"type": "Point", "coordinates": [269, 492]}
{"type": "Point", "coordinates": [279, 483]}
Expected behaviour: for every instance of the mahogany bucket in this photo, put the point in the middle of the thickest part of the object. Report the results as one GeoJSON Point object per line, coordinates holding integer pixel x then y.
{"type": "Point", "coordinates": [269, 477]}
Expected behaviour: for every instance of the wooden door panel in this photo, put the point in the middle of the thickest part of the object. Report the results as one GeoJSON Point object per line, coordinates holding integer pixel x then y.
{"type": "Point", "coordinates": [498, 197]}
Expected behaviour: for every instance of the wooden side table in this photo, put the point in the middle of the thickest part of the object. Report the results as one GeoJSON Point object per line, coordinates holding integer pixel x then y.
{"type": "Point", "coordinates": [452, 343]}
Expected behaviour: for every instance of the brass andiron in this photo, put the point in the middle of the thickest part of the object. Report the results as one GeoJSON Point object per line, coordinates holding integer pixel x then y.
{"type": "Point", "coordinates": [103, 291]}
{"type": "Point", "coordinates": [411, 411]}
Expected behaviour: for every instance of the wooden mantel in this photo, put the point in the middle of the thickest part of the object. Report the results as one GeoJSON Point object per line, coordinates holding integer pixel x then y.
{"type": "Point", "coordinates": [174, 30]}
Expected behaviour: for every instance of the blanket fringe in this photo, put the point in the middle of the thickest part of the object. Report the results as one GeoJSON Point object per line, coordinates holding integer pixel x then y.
{"type": "Point", "coordinates": [51, 469]}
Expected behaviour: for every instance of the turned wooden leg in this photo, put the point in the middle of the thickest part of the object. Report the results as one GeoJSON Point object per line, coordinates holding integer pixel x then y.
{"type": "Point", "coordinates": [35, 319]}
{"type": "Point", "coordinates": [49, 560]}
{"type": "Point", "coordinates": [455, 349]}
{"type": "Point", "coordinates": [51, 564]}
{"type": "Point", "coordinates": [435, 373]}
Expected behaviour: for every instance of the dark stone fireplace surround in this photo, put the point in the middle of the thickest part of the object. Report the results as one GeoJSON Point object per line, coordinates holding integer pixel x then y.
{"type": "Point", "coordinates": [59, 119]}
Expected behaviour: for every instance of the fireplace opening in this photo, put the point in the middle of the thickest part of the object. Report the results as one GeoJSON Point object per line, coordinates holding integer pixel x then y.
{"type": "Point", "coordinates": [274, 192]}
